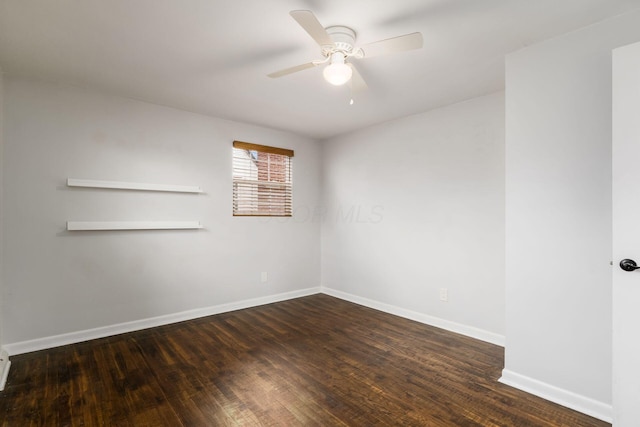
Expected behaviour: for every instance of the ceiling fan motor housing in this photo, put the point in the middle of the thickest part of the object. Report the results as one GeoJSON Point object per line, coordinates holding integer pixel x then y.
{"type": "Point", "coordinates": [343, 37]}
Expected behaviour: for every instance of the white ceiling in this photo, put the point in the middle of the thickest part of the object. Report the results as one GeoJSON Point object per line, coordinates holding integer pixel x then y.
{"type": "Point", "coordinates": [212, 56]}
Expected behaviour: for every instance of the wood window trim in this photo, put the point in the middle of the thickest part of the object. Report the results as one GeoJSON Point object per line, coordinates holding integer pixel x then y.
{"type": "Point", "coordinates": [264, 148]}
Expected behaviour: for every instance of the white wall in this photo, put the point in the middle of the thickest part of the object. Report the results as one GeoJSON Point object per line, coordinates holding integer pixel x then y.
{"type": "Point", "coordinates": [558, 215]}
{"type": "Point", "coordinates": [415, 205]}
{"type": "Point", "coordinates": [57, 282]}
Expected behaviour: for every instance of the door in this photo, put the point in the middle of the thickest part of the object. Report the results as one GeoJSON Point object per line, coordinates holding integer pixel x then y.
{"type": "Point", "coordinates": [626, 235]}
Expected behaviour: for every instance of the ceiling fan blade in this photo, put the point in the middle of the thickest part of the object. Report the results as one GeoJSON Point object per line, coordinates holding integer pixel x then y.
{"type": "Point", "coordinates": [357, 82]}
{"type": "Point", "coordinates": [311, 25]}
{"type": "Point", "coordinates": [292, 70]}
{"type": "Point", "coordinates": [395, 44]}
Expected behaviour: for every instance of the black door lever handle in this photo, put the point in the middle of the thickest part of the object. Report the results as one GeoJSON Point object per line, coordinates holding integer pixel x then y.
{"type": "Point", "coordinates": [628, 265]}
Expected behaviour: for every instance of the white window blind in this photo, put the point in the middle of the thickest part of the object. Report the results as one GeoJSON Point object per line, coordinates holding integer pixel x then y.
{"type": "Point", "coordinates": [261, 180]}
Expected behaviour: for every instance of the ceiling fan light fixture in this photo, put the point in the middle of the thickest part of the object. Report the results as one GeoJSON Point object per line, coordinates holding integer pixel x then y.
{"type": "Point", "coordinates": [337, 73]}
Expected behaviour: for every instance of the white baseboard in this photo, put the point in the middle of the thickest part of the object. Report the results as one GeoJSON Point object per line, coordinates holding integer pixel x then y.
{"type": "Point", "coordinates": [458, 328]}
{"type": "Point", "coordinates": [136, 325]}
{"type": "Point", "coordinates": [586, 405]}
{"type": "Point", "coordinates": [89, 334]}
{"type": "Point", "coordinates": [5, 364]}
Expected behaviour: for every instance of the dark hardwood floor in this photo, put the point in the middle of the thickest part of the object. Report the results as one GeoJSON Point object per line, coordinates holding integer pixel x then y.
{"type": "Point", "coordinates": [311, 361]}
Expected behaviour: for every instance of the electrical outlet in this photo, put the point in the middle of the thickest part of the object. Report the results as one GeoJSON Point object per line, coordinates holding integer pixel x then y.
{"type": "Point", "coordinates": [444, 294]}
{"type": "Point", "coordinates": [263, 277]}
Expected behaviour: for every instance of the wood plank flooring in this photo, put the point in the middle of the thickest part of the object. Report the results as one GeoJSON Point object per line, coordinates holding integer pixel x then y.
{"type": "Point", "coordinates": [312, 361]}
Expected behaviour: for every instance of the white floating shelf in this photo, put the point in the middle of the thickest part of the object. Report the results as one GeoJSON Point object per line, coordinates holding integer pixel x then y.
{"type": "Point", "coordinates": [72, 182]}
{"type": "Point", "coordinates": [132, 225]}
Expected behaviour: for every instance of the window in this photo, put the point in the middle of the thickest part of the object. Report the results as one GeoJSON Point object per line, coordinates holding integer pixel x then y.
{"type": "Point", "coordinates": [261, 180]}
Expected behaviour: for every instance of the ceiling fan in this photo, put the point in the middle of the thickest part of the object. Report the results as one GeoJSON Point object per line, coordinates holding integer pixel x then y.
{"type": "Point", "coordinates": [337, 45]}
